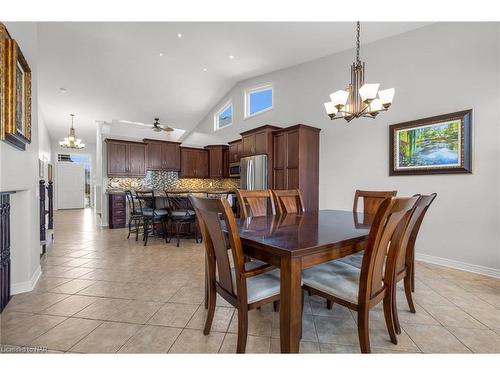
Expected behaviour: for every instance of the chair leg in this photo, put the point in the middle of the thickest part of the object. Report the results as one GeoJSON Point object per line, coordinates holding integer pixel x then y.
{"type": "Point", "coordinates": [129, 227]}
{"type": "Point", "coordinates": [137, 222]}
{"type": "Point", "coordinates": [412, 273]}
{"type": "Point", "coordinates": [164, 224]}
{"type": "Point", "coordinates": [409, 297]}
{"type": "Point", "coordinates": [212, 295]}
{"type": "Point", "coordinates": [363, 334]}
{"type": "Point", "coordinates": [146, 232]}
{"type": "Point", "coordinates": [276, 306]}
{"type": "Point", "coordinates": [177, 229]}
{"type": "Point", "coordinates": [329, 304]}
{"type": "Point", "coordinates": [242, 329]}
{"type": "Point", "coordinates": [391, 317]}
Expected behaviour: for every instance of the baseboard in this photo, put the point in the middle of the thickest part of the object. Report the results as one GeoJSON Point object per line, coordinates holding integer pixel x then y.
{"type": "Point", "coordinates": [493, 272]}
{"type": "Point", "coordinates": [26, 286]}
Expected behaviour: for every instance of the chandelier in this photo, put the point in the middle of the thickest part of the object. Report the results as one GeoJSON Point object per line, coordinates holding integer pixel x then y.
{"type": "Point", "coordinates": [71, 141]}
{"type": "Point", "coordinates": [359, 99]}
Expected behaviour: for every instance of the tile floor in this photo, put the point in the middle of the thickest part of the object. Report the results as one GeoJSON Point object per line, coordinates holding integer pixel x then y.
{"type": "Point", "coordinates": [102, 293]}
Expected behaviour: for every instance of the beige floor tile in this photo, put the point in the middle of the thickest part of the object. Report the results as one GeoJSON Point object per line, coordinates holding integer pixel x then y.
{"type": "Point", "coordinates": [337, 348]}
{"type": "Point", "coordinates": [73, 286]}
{"type": "Point", "coordinates": [34, 302]}
{"type": "Point", "coordinates": [45, 284]}
{"type": "Point", "coordinates": [66, 334]}
{"type": "Point", "coordinates": [194, 341]}
{"type": "Point", "coordinates": [260, 322]}
{"type": "Point", "coordinates": [435, 339]}
{"type": "Point", "coordinates": [138, 312]}
{"type": "Point", "coordinates": [453, 316]}
{"type": "Point", "coordinates": [255, 344]}
{"type": "Point", "coordinates": [306, 347]}
{"type": "Point", "coordinates": [151, 339]}
{"type": "Point", "coordinates": [102, 308]}
{"type": "Point", "coordinates": [70, 305]}
{"type": "Point", "coordinates": [221, 320]}
{"type": "Point", "coordinates": [379, 337]}
{"type": "Point", "coordinates": [109, 337]}
{"type": "Point", "coordinates": [186, 294]}
{"type": "Point", "coordinates": [342, 330]}
{"type": "Point", "coordinates": [308, 327]}
{"type": "Point", "coordinates": [478, 340]}
{"type": "Point", "coordinates": [24, 330]}
{"type": "Point", "coordinates": [173, 315]}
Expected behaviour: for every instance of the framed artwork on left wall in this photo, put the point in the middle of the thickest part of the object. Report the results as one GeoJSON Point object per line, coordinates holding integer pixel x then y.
{"type": "Point", "coordinates": [15, 93]}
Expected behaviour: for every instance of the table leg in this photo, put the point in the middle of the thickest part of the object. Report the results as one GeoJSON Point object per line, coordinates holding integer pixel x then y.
{"type": "Point", "coordinates": [290, 304]}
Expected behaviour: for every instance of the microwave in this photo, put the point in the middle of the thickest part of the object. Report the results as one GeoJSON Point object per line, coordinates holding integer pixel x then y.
{"type": "Point", "coordinates": [234, 170]}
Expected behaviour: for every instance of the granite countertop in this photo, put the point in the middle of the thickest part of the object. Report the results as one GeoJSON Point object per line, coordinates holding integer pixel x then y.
{"type": "Point", "coordinates": [161, 193]}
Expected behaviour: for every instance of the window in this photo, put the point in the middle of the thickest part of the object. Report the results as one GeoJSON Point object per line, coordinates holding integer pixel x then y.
{"type": "Point", "coordinates": [224, 117]}
{"type": "Point", "coordinates": [258, 100]}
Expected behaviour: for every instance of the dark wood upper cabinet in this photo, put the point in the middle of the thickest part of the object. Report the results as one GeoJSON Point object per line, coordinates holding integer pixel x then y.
{"type": "Point", "coordinates": [126, 159]}
{"type": "Point", "coordinates": [296, 162]}
{"type": "Point", "coordinates": [235, 151]}
{"type": "Point", "coordinates": [194, 162]}
{"type": "Point", "coordinates": [217, 161]}
{"type": "Point", "coordinates": [258, 141]}
{"type": "Point", "coordinates": [163, 155]}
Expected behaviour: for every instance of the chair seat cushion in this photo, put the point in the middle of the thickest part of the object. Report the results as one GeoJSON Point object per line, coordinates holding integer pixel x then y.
{"type": "Point", "coordinates": [354, 260]}
{"type": "Point", "coordinates": [182, 214]}
{"type": "Point", "coordinates": [157, 213]}
{"type": "Point", "coordinates": [261, 286]}
{"type": "Point", "coordinates": [338, 279]}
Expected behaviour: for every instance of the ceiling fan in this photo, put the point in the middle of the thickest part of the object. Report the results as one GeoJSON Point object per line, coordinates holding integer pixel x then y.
{"type": "Point", "coordinates": [158, 128]}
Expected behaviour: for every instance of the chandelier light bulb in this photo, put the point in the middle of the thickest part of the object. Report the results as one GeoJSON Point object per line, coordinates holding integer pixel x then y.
{"type": "Point", "coordinates": [339, 98]}
{"type": "Point", "coordinates": [375, 106]}
{"type": "Point", "coordinates": [330, 108]}
{"type": "Point", "coordinates": [368, 92]}
{"type": "Point", "coordinates": [386, 97]}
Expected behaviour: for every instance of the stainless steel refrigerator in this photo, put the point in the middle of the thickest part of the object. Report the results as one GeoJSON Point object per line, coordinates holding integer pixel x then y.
{"type": "Point", "coordinates": [253, 172]}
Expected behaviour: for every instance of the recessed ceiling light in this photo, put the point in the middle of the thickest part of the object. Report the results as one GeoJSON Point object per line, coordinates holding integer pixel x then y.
{"type": "Point", "coordinates": [231, 57]}
{"type": "Point", "coordinates": [161, 54]}
{"type": "Point", "coordinates": [63, 90]}
{"type": "Point", "coordinates": [179, 35]}
{"type": "Point", "coordinates": [205, 69]}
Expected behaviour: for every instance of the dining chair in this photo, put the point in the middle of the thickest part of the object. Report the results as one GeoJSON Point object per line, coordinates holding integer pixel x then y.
{"type": "Point", "coordinates": [151, 214]}
{"type": "Point", "coordinates": [246, 285]}
{"type": "Point", "coordinates": [181, 215]}
{"type": "Point", "coordinates": [135, 214]}
{"type": "Point", "coordinates": [362, 289]}
{"type": "Point", "coordinates": [255, 203]}
{"type": "Point", "coordinates": [371, 199]}
{"type": "Point", "coordinates": [288, 201]}
{"type": "Point", "coordinates": [401, 256]}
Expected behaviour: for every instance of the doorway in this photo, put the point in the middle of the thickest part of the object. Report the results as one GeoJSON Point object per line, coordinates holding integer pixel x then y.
{"type": "Point", "coordinates": [73, 181]}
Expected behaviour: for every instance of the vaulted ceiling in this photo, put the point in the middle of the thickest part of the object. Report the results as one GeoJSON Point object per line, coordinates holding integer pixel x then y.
{"type": "Point", "coordinates": [175, 71]}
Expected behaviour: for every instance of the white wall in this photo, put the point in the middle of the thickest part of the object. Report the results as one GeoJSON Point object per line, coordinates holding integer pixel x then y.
{"type": "Point", "coordinates": [44, 143]}
{"type": "Point", "coordinates": [437, 69]}
{"type": "Point", "coordinates": [19, 172]}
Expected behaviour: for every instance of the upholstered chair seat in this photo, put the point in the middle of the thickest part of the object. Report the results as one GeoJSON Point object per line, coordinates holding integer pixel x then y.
{"type": "Point", "coordinates": [182, 214]}
{"type": "Point", "coordinates": [151, 213]}
{"type": "Point", "coordinates": [335, 278]}
{"type": "Point", "coordinates": [354, 260]}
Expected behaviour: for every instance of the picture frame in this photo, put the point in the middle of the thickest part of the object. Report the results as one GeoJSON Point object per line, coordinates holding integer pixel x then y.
{"type": "Point", "coordinates": [4, 103]}
{"type": "Point", "coordinates": [433, 145]}
{"type": "Point", "coordinates": [18, 96]}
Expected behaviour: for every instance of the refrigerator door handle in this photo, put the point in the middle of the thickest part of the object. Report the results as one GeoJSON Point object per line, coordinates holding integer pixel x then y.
{"type": "Point", "coordinates": [251, 176]}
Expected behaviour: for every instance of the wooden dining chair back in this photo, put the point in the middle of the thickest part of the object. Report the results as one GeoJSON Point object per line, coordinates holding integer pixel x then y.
{"type": "Point", "coordinates": [255, 203]}
{"type": "Point", "coordinates": [288, 201]}
{"type": "Point", "coordinates": [246, 285]}
{"type": "Point", "coordinates": [400, 258]}
{"type": "Point", "coordinates": [371, 200]}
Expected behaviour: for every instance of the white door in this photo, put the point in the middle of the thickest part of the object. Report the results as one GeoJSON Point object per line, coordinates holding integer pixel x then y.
{"type": "Point", "coordinates": [70, 185]}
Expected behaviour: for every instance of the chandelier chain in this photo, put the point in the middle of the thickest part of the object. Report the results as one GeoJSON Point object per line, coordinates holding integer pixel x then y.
{"type": "Point", "coordinates": [358, 29]}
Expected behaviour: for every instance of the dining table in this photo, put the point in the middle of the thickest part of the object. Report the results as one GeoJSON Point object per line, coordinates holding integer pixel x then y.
{"type": "Point", "coordinates": [294, 242]}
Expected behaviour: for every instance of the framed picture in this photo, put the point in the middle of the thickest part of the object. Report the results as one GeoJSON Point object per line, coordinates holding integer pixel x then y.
{"type": "Point", "coordinates": [433, 145]}
{"type": "Point", "coordinates": [4, 109]}
{"type": "Point", "coordinates": [18, 95]}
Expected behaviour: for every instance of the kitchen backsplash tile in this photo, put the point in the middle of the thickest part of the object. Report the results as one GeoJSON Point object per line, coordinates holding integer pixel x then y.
{"type": "Point", "coordinates": [159, 180]}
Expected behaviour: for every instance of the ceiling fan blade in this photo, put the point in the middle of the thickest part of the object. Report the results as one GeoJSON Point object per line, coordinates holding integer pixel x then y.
{"type": "Point", "coordinates": [168, 129]}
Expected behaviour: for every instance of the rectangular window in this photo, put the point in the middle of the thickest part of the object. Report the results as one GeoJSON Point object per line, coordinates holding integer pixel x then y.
{"type": "Point", "coordinates": [258, 99]}
{"type": "Point", "coordinates": [224, 117]}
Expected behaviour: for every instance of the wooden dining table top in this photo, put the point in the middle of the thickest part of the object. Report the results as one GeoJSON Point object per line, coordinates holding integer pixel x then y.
{"type": "Point", "coordinates": [306, 232]}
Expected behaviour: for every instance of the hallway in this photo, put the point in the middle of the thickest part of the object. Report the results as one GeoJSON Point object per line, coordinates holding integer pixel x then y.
{"type": "Point", "coordinates": [103, 293]}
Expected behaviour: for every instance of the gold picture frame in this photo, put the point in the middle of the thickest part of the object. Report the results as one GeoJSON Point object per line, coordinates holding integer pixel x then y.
{"type": "Point", "coordinates": [4, 35]}
{"type": "Point", "coordinates": [18, 96]}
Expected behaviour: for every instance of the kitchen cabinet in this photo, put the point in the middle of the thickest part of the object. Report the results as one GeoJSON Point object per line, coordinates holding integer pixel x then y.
{"type": "Point", "coordinates": [194, 163]}
{"type": "Point", "coordinates": [296, 162]}
{"type": "Point", "coordinates": [126, 159]}
{"type": "Point", "coordinates": [163, 155]}
{"type": "Point", "coordinates": [218, 158]}
{"type": "Point", "coordinates": [235, 151]}
{"type": "Point", "coordinates": [117, 215]}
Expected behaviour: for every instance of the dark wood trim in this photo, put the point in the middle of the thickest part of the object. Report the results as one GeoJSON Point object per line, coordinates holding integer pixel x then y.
{"type": "Point", "coordinates": [41, 186]}
{"type": "Point", "coordinates": [260, 128]}
{"type": "Point", "coordinates": [235, 141]}
{"type": "Point", "coordinates": [215, 146]}
{"type": "Point", "coordinates": [50, 196]}
{"type": "Point", "coordinates": [123, 141]}
{"type": "Point", "coordinates": [193, 148]}
{"type": "Point", "coordinates": [465, 116]}
{"type": "Point", "coordinates": [148, 140]}
{"type": "Point", "coordinates": [298, 126]}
